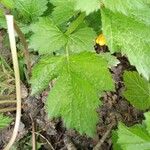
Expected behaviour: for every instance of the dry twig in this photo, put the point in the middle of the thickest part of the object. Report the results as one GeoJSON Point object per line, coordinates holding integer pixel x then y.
{"type": "Point", "coordinates": [11, 32]}
{"type": "Point", "coordinates": [99, 144]}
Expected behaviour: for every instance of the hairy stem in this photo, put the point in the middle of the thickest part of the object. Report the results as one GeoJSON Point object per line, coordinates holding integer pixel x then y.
{"type": "Point", "coordinates": [75, 24]}
{"type": "Point", "coordinates": [11, 32]}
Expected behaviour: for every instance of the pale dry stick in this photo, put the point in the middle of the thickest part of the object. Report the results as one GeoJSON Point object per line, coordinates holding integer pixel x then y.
{"type": "Point", "coordinates": [11, 32]}
{"type": "Point", "coordinates": [99, 144]}
{"type": "Point", "coordinates": [7, 101]}
{"type": "Point", "coordinates": [45, 140]}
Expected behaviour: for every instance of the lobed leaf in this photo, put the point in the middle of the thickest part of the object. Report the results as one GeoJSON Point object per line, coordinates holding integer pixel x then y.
{"type": "Point", "coordinates": [51, 39]}
{"type": "Point", "coordinates": [75, 96]}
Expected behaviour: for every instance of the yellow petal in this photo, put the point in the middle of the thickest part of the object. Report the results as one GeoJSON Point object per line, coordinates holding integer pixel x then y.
{"type": "Point", "coordinates": [101, 40]}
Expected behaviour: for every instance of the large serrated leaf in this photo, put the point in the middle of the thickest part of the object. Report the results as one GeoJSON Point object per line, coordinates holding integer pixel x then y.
{"type": "Point", "coordinates": [47, 38]}
{"type": "Point", "coordinates": [137, 90]}
{"type": "Point", "coordinates": [136, 137]}
{"type": "Point", "coordinates": [137, 9]}
{"type": "Point", "coordinates": [75, 96]}
{"type": "Point", "coordinates": [131, 37]}
{"type": "Point", "coordinates": [4, 121]}
{"type": "Point", "coordinates": [87, 6]}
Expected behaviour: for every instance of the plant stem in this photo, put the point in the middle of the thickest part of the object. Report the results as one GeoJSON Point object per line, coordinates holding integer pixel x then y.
{"type": "Point", "coordinates": [7, 101]}
{"type": "Point", "coordinates": [75, 24]}
{"type": "Point", "coordinates": [11, 33]}
{"type": "Point", "coordinates": [25, 45]}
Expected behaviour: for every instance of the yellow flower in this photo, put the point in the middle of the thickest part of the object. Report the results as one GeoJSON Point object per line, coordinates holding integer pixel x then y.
{"type": "Point", "coordinates": [100, 40]}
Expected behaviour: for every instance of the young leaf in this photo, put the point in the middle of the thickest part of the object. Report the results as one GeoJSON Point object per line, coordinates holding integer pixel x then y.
{"type": "Point", "coordinates": [131, 37]}
{"type": "Point", "coordinates": [30, 9]}
{"type": "Point", "coordinates": [137, 9]}
{"type": "Point", "coordinates": [4, 121]}
{"type": "Point", "coordinates": [63, 11]}
{"type": "Point", "coordinates": [137, 90]}
{"type": "Point", "coordinates": [87, 6]}
{"type": "Point", "coordinates": [133, 138]}
{"type": "Point", "coordinates": [50, 38]}
{"type": "Point", "coordinates": [80, 80]}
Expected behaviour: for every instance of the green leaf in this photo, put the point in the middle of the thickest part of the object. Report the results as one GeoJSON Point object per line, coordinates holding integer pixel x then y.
{"type": "Point", "coordinates": [30, 9]}
{"type": "Point", "coordinates": [87, 6]}
{"type": "Point", "coordinates": [81, 78]}
{"type": "Point", "coordinates": [147, 121]}
{"type": "Point", "coordinates": [112, 60]}
{"type": "Point", "coordinates": [114, 138]}
{"type": "Point", "coordinates": [94, 21]}
{"type": "Point", "coordinates": [51, 39]}
{"type": "Point", "coordinates": [3, 23]}
{"type": "Point", "coordinates": [7, 3]}
{"type": "Point", "coordinates": [131, 37]}
{"type": "Point", "coordinates": [133, 138]}
{"type": "Point", "coordinates": [81, 40]}
{"type": "Point", "coordinates": [47, 69]}
{"type": "Point", "coordinates": [137, 9]}
{"type": "Point", "coordinates": [5, 121]}
{"type": "Point", "coordinates": [47, 38]}
{"type": "Point", "coordinates": [63, 11]}
{"type": "Point", "coordinates": [137, 90]}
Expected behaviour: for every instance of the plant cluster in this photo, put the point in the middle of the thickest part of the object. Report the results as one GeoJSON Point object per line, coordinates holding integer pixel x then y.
{"type": "Point", "coordinates": [63, 32]}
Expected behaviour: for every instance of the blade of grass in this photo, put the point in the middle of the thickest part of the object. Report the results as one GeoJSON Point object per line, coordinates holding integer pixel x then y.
{"type": "Point", "coordinates": [7, 101]}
